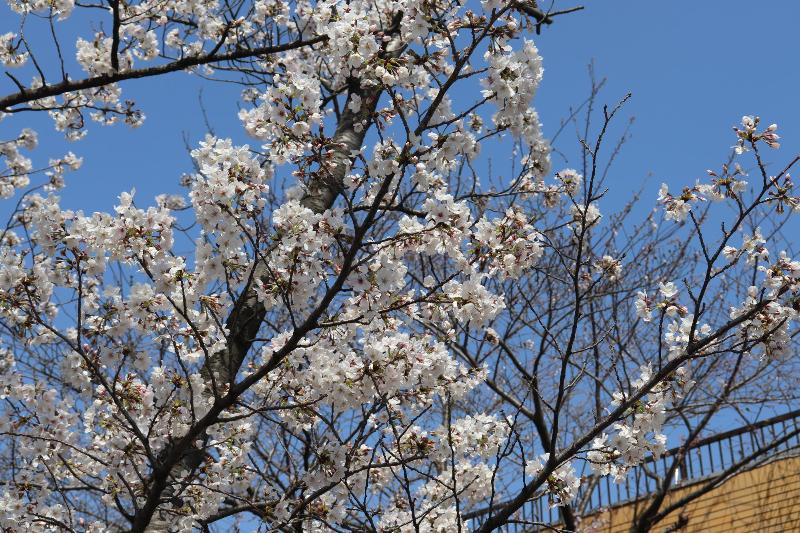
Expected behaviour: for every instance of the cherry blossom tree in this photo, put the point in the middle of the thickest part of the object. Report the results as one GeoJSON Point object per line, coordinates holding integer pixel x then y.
{"type": "Point", "coordinates": [367, 333]}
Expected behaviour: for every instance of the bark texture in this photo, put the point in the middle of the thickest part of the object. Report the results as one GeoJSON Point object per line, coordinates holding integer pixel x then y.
{"type": "Point", "coordinates": [248, 313]}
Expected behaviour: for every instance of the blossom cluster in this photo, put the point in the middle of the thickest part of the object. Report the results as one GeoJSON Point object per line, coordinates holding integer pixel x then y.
{"type": "Point", "coordinates": [639, 433]}
{"type": "Point", "coordinates": [665, 301]}
{"type": "Point", "coordinates": [512, 244]}
{"type": "Point", "coordinates": [562, 484]}
{"type": "Point", "coordinates": [302, 345]}
{"type": "Point", "coordinates": [10, 55]}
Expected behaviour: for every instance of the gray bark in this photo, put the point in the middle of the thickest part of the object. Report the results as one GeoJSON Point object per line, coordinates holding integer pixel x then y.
{"type": "Point", "coordinates": [248, 313]}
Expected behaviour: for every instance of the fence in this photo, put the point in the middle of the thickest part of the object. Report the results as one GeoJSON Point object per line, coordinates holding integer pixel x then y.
{"type": "Point", "coordinates": [704, 458]}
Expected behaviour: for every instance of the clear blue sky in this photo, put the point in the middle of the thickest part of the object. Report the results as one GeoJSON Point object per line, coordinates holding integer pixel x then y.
{"type": "Point", "coordinates": [693, 67]}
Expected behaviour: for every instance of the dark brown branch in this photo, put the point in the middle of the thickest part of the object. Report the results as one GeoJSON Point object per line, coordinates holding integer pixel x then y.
{"type": "Point", "coordinates": [541, 16]}
{"type": "Point", "coordinates": [29, 95]}
{"type": "Point", "coordinates": [115, 36]}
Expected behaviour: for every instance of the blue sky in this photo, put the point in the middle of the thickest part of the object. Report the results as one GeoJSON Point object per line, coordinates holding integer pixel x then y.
{"type": "Point", "coordinates": [693, 67]}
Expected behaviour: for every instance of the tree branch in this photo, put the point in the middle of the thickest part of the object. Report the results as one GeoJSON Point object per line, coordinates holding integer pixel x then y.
{"type": "Point", "coordinates": [45, 91]}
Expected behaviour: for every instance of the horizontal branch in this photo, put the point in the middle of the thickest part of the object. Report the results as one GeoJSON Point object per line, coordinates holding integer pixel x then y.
{"type": "Point", "coordinates": [67, 86]}
{"type": "Point", "coordinates": [543, 17]}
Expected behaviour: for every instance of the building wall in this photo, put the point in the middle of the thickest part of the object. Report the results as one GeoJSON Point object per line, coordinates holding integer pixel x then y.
{"type": "Point", "coordinates": [763, 500]}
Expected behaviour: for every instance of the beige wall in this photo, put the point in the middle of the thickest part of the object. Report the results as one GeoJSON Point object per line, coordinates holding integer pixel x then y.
{"type": "Point", "coordinates": [763, 500]}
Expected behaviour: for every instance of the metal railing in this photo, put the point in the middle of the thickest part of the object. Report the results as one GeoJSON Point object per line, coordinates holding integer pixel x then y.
{"type": "Point", "coordinates": [704, 458]}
